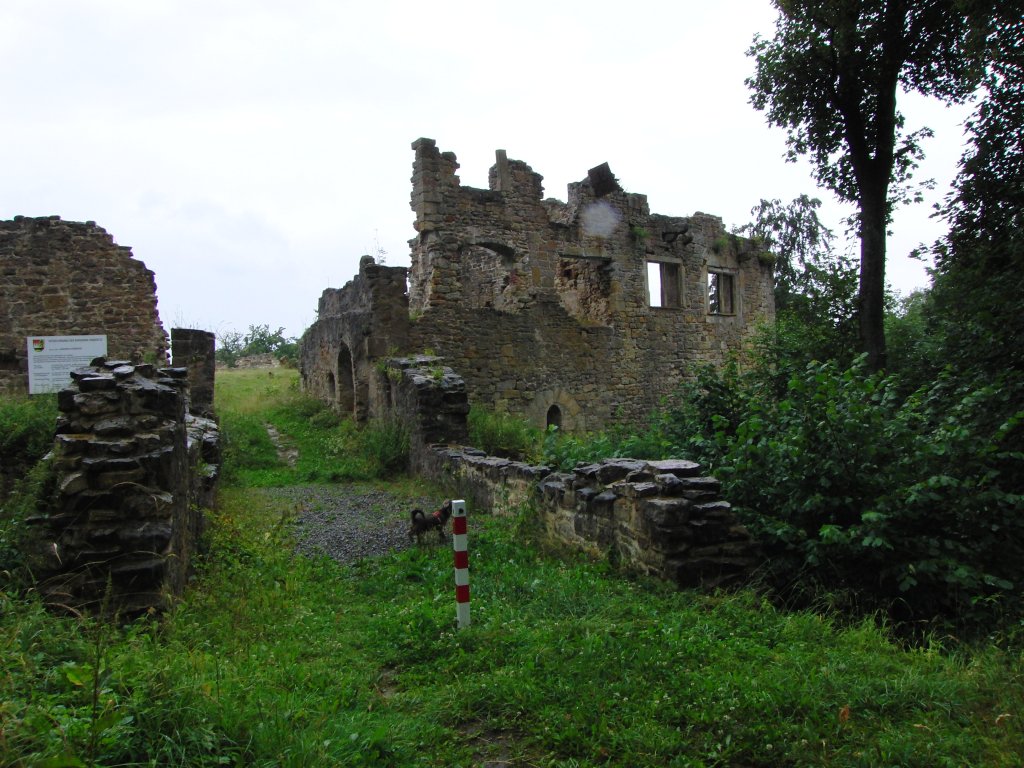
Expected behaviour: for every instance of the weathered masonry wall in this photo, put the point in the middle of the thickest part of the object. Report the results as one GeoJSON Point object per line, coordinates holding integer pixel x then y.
{"type": "Point", "coordinates": [62, 278]}
{"type": "Point", "coordinates": [133, 471]}
{"type": "Point", "coordinates": [578, 313]}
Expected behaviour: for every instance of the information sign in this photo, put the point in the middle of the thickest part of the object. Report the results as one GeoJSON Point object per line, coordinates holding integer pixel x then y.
{"type": "Point", "coordinates": [52, 358]}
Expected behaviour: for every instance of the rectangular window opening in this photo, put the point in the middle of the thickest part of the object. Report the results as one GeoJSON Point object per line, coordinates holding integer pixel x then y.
{"type": "Point", "coordinates": [720, 293]}
{"type": "Point", "coordinates": [664, 287]}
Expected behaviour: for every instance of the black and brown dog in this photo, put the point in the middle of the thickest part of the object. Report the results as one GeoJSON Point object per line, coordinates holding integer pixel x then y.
{"type": "Point", "coordinates": [422, 523]}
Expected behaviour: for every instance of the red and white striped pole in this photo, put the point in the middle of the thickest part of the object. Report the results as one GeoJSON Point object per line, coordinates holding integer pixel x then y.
{"type": "Point", "coordinates": [461, 562]}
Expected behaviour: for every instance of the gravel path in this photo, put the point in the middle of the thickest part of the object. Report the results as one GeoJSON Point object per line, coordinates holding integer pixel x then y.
{"type": "Point", "coordinates": [351, 522]}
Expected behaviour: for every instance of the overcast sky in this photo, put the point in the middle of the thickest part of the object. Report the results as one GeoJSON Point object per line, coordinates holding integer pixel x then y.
{"type": "Point", "coordinates": [250, 151]}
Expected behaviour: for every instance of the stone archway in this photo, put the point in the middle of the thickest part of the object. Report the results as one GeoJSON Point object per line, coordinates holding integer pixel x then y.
{"type": "Point", "coordinates": [556, 407]}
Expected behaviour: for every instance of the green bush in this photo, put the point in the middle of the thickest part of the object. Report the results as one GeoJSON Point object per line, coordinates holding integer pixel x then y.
{"type": "Point", "coordinates": [912, 502]}
{"type": "Point", "coordinates": [26, 435]}
{"type": "Point", "coordinates": [26, 428]}
{"type": "Point", "coordinates": [501, 434]}
{"type": "Point", "coordinates": [655, 441]}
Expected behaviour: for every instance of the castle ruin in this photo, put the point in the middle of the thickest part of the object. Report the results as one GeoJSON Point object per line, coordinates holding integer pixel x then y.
{"type": "Point", "coordinates": [579, 314]}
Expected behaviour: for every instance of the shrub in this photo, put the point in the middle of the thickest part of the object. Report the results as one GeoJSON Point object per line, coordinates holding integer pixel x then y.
{"type": "Point", "coordinates": [913, 501]}
{"type": "Point", "coordinates": [26, 428]}
{"type": "Point", "coordinates": [26, 435]}
{"type": "Point", "coordinates": [654, 442]}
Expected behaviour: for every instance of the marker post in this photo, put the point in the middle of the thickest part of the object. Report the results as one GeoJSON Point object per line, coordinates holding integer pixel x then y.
{"type": "Point", "coordinates": [459, 544]}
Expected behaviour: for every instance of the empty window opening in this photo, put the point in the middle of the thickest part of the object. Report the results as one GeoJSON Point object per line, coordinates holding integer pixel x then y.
{"type": "Point", "coordinates": [664, 287]}
{"type": "Point", "coordinates": [554, 417]}
{"type": "Point", "coordinates": [720, 293]}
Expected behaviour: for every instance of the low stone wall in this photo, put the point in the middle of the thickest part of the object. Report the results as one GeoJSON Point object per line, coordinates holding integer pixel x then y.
{"type": "Point", "coordinates": [266, 360]}
{"type": "Point", "coordinates": [662, 518]}
{"type": "Point", "coordinates": [133, 471]}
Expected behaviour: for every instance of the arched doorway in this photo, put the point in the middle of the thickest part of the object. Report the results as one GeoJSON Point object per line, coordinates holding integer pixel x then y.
{"type": "Point", "coordinates": [554, 417]}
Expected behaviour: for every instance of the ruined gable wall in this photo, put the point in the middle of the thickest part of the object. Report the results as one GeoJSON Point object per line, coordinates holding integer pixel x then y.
{"type": "Point", "coordinates": [538, 302]}
{"type": "Point", "coordinates": [70, 278]}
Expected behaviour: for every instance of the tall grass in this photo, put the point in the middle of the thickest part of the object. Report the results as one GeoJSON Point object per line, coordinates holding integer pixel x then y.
{"type": "Point", "coordinates": [501, 434]}
{"type": "Point", "coordinates": [330, 446]}
{"type": "Point", "coordinates": [26, 427]}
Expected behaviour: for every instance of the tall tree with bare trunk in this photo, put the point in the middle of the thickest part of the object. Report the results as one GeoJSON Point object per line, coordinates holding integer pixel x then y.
{"type": "Point", "coordinates": [832, 75]}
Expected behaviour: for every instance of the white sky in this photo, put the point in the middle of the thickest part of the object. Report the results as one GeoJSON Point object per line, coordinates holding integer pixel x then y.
{"type": "Point", "coordinates": [250, 151]}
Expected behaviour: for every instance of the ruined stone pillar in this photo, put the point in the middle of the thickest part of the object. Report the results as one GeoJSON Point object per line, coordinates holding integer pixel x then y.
{"type": "Point", "coordinates": [195, 350]}
{"type": "Point", "coordinates": [123, 520]}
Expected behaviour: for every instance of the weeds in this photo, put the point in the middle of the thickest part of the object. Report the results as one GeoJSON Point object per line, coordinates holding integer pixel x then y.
{"type": "Point", "coordinates": [501, 434]}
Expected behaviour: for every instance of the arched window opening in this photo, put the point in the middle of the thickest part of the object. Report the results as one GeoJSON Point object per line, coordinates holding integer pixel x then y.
{"type": "Point", "coordinates": [554, 417]}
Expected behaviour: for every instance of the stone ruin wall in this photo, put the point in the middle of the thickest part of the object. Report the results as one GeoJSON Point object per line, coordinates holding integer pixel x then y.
{"type": "Point", "coordinates": [539, 303]}
{"type": "Point", "coordinates": [133, 470]}
{"type": "Point", "coordinates": [358, 328]}
{"type": "Point", "coordinates": [660, 518]}
{"type": "Point", "coordinates": [60, 278]}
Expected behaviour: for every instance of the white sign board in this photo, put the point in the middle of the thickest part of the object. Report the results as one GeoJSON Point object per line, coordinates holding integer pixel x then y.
{"type": "Point", "coordinates": [52, 358]}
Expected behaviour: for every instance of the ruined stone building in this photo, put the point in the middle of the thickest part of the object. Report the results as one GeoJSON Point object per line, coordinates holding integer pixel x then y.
{"type": "Point", "coordinates": [66, 278]}
{"type": "Point", "coordinates": [580, 313]}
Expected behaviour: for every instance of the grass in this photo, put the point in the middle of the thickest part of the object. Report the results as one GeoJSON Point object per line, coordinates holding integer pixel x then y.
{"type": "Point", "coordinates": [275, 659]}
{"type": "Point", "coordinates": [330, 448]}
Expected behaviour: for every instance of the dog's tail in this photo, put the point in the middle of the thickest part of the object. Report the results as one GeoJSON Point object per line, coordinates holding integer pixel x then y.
{"type": "Point", "coordinates": [416, 513]}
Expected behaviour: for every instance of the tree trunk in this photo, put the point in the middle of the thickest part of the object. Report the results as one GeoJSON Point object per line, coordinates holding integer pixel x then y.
{"type": "Point", "coordinates": [871, 296]}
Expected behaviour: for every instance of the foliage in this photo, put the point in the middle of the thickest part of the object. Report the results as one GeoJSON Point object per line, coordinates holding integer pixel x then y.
{"type": "Point", "coordinates": [26, 435]}
{"type": "Point", "coordinates": [815, 287]}
{"type": "Point", "coordinates": [915, 354]}
{"type": "Point", "coordinates": [385, 443]}
{"type": "Point", "coordinates": [852, 486]}
{"type": "Point", "coordinates": [26, 428]}
{"type": "Point", "coordinates": [565, 451]}
{"type": "Point", "coordinates": [28, 494]}
{"type": "Point", "coordinates": [978, 296]}
{"type": "Point", "coordinates": [502, 434]}
{"type": "Point", "coordinates": [830, 77]}
{"type": "Point", "coordinates": [258, 340]}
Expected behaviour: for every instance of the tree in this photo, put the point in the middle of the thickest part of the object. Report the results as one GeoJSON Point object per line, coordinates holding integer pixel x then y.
{"type": "Point", "coordinates": [260, 340]}
{"type": "Point", "coordinates": [831, 76]}
{"type": "Point", "coordinates": [979, 280]}
{"type": "Point", "coordinates": [815, 287]}
{"type": "Point", "coordinates": [229, 348]}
